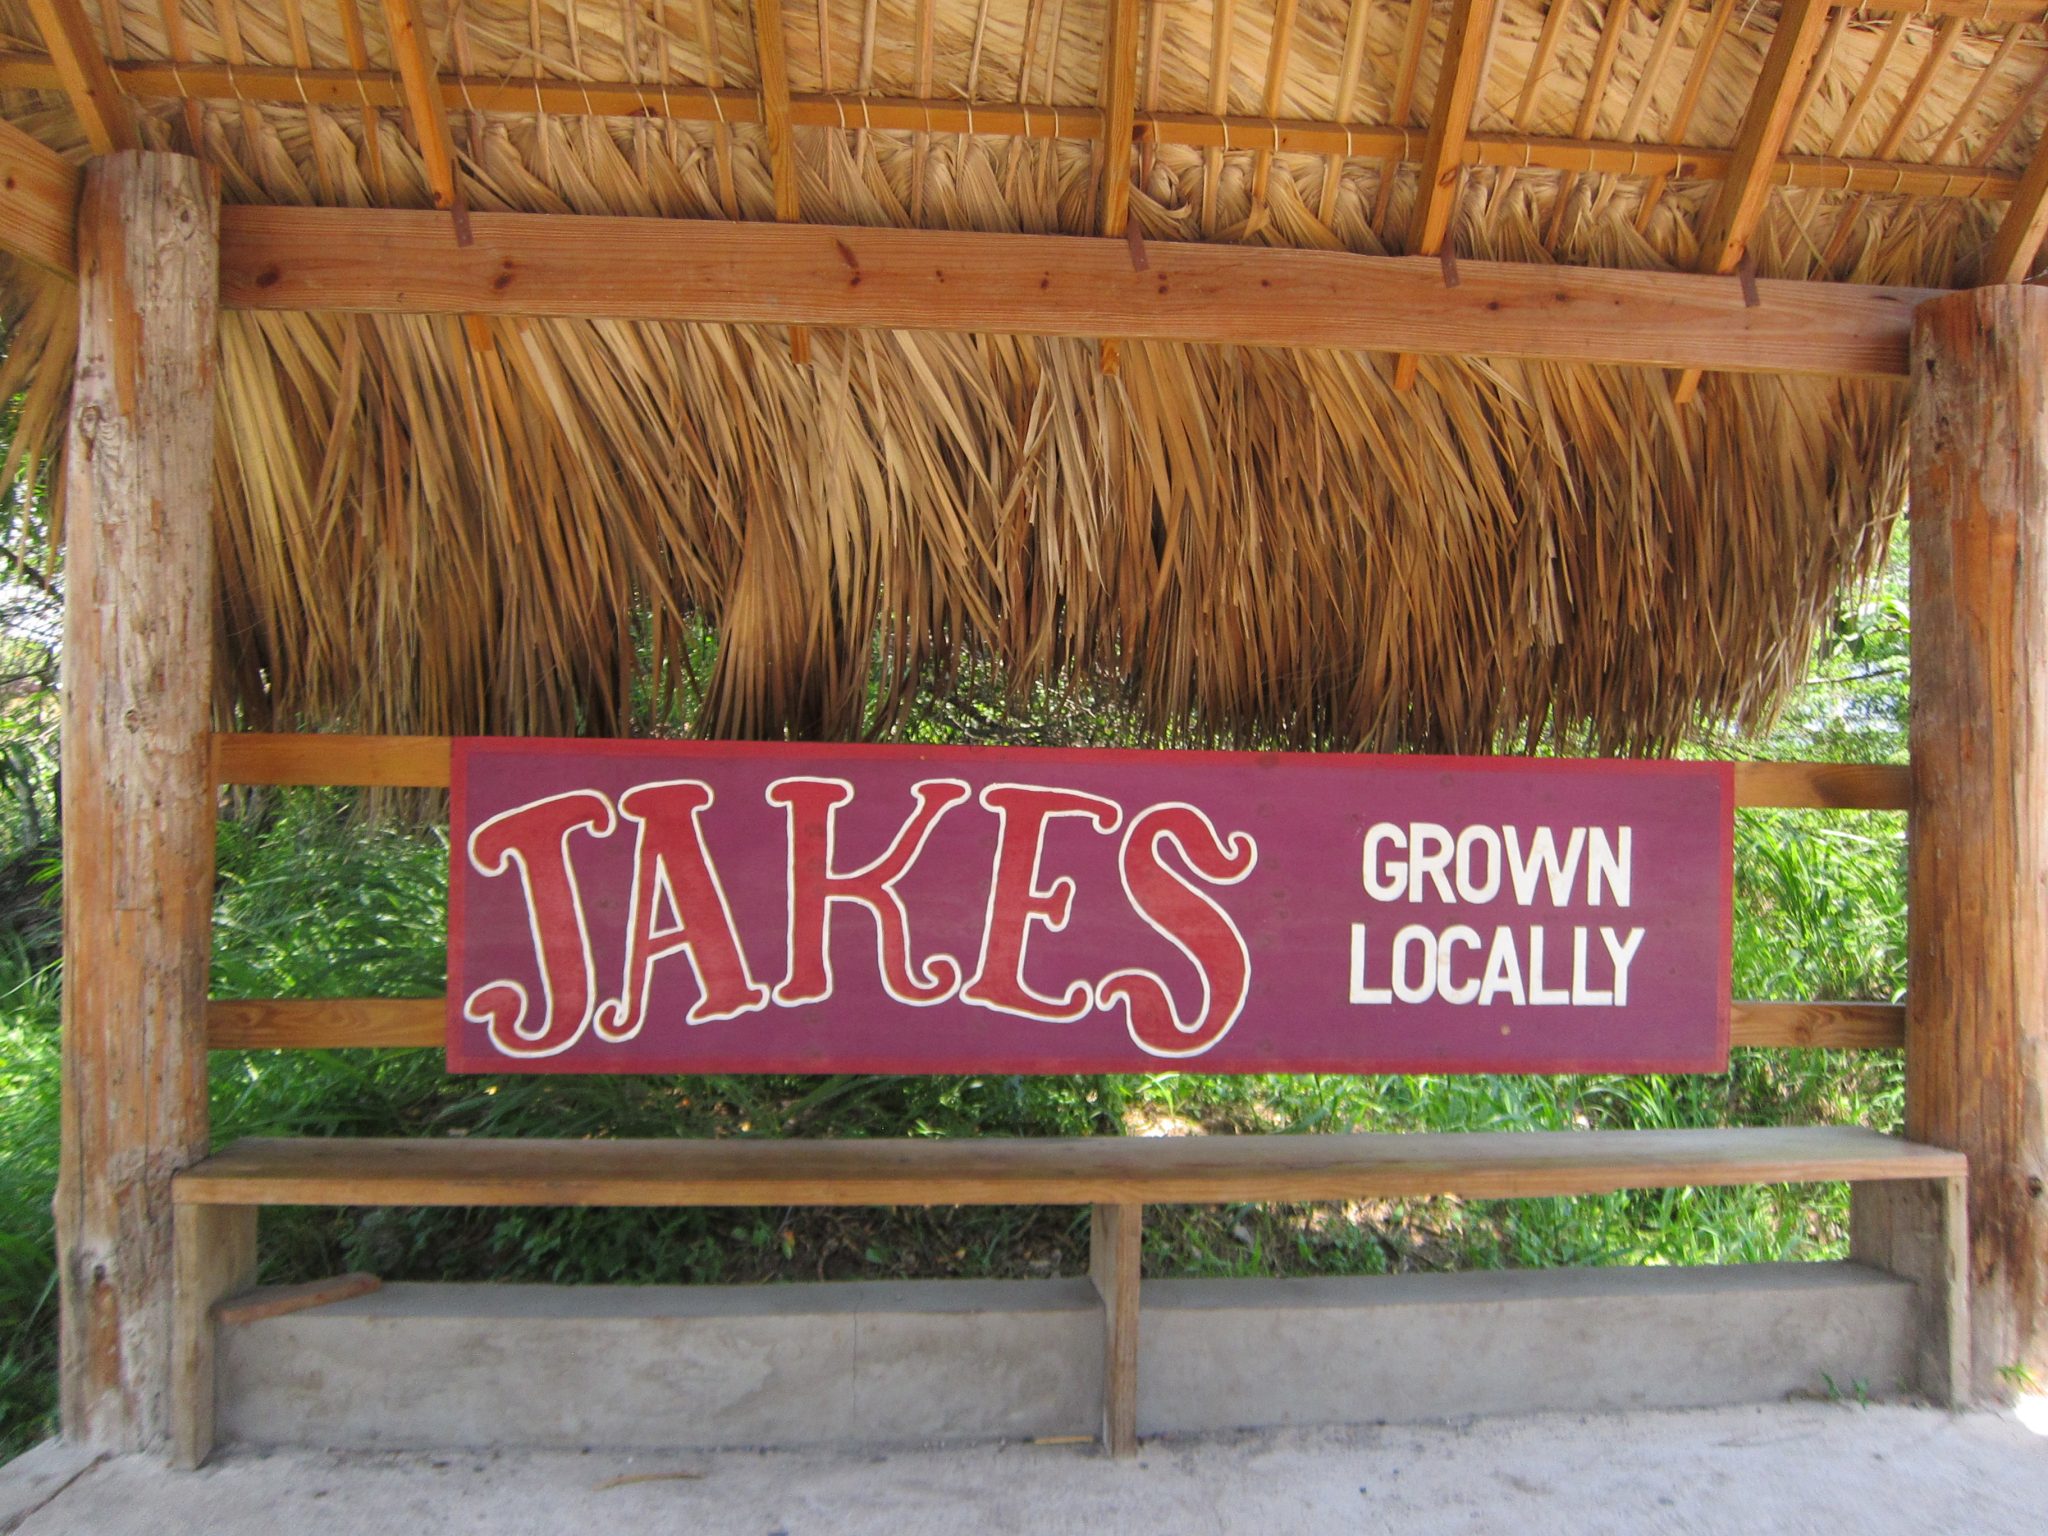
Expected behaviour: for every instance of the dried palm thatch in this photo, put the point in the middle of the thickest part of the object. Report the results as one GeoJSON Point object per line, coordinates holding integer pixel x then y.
{"type": "Point", "coordinates": [435, 525]}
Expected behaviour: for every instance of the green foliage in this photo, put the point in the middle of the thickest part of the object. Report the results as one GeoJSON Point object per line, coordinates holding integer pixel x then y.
{"type": "Point", "coordinates": [316, 899]}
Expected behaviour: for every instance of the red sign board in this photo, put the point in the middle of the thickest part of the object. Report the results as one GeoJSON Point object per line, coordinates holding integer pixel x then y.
{"type": "Point", "coordinates": [739, 907]}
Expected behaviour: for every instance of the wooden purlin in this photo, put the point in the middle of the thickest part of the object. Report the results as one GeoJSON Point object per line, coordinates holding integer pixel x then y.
{"type": "Point", "coordinates": [1743, 196]}
{"type": "Point", "coordinates": [1441, 173]}
{"type": "Point", "coordinates": [105, 114]}
{"type": "Point", "coordinates": [372, 91]}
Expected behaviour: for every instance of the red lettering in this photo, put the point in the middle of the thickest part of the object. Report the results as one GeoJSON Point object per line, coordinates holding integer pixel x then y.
{"type": "Point", "coordinates": [672, 869]}
{"type": "Point", "coordinates": [815, 884]}
{"type": "Point", "coordinates": [1199, 928]}
{"type": "Point", "coordinates": [1015, 901]}
{"type": "Point", "coordinates": [534, 839]}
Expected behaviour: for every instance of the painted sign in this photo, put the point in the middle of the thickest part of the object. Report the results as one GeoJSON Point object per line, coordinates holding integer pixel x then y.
{"type": "Point", "coordinates": [738, 907]}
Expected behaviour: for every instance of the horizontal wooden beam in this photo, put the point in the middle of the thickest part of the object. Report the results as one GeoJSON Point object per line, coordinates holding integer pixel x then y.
{"type": "Point", "coordinates": [404, 262]}
{"type": "Point", "coordinates": [38, 203]}
{"type": "Point", "coordinates": [356, 1023]}
{"type": "Point", "coordinates": [421, 762]}
{"type": "Point", "coordinates": [1201, 130]}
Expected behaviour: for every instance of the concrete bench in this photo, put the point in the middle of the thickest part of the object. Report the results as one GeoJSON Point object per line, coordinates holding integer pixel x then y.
{"type": "Point", "coordinates": [1909, 1201]}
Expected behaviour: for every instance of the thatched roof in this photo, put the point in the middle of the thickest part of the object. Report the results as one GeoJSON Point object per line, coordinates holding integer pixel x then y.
{"type": "Point", "coordinates": [432, 525]}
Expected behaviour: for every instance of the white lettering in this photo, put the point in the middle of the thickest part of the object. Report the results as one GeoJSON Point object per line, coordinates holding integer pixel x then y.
{"type": "Point", "coordinates": [1622, 955]}
{"type": "Point", "coordinates": [1360, 992]}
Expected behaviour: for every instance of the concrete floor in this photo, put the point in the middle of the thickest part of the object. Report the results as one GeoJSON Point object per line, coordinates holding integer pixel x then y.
{"type": "Point", "coordinates": [1804, 1467]}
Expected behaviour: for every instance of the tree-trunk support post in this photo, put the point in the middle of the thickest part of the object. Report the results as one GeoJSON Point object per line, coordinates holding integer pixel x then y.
{"type": "Point", "coordinates": [138, 793]}
{"type": "Point", "coordinates": [1977, 997]}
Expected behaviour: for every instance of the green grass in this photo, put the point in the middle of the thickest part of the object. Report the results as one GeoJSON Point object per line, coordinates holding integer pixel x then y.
{"type": "Point", "coordinates": [315, 899]}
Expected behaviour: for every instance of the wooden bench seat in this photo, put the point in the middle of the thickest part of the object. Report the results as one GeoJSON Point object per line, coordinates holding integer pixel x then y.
{"type": "Point", "coordinates": [1109, 1170]}
{"type": "Point", "coordinates": [1909, 1200]}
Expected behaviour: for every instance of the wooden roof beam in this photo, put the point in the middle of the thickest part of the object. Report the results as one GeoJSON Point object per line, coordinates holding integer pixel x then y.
{"type": "Point", "coordinates": [1442, 170]}
{"type": "Point", "coordinates": [2010, 257]}
{"type": "Point", "coordinates": [1739, 206]}
{"type": "Point", "coordinates": [413, 54]}
{"type": "Point", "coordinates": [38, 203]}
{"type": "Point", "coordinates": [107, 115]}
{"type": "Point", "coordinates": [400, 261]}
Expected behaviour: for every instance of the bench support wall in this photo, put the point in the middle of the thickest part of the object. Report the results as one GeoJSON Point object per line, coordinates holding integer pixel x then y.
{"type": "Point", "coordinates": [138, 794]}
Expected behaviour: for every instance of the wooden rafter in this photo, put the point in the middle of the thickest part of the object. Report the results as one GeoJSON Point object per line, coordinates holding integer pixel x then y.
{"type": "Point", "coordinates": [2010, 257]}
{"type": "Point", "coordinates": [413, 55]}
{"type": "Point", "coordinates": [1532, 85]}
{"type": "Point", "coordinates": [771, 50]}
{"type": "Point", "coordinates": [1442, 169]}
{"type": "Point", "coordinates": [1939, 51]}
{"type": "Point", "coordinates": [1689, 98]}
{"type": "Point", "coordinates": [1412, 41]}
{"type": "Point", "coordinates": [103, 111]}
{"type": "Point", "coordinates": [1355, 30]}
{"type": "Point", "coordinates": [359, 59]}
{"type": "Point", "coordinates": [399, 261]}
{"type": "Point", "coordinates": [1222, 35]}
{"type": "Point", "coordinates": [1118, 94]}
{"type": "Point", "coordinates": [1743, 196]}
{"type": "Point", "coordinates": [1612, 30]}
{"type": "Point", "coordinates": [1276, 85]}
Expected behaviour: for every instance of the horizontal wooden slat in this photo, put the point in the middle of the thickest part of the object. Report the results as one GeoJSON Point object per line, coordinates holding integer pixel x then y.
{"type": "Point", "coordinates": [1055, 1171]}
{"type": "Point", "coordinates": [323, 1024]}
{"type": "Point", "coordinates": [249, 757]}
{"type": "Point", "coordinates": [310, 758]}
{"type": "Point", "coordinates": [1823, 786]}
{"type": "Point", "coordinates": [1842, 1026]}
{"type": "Point", "coordinates": [357, 1022]}
{"type": "Point", "coordinates": [401, 261]}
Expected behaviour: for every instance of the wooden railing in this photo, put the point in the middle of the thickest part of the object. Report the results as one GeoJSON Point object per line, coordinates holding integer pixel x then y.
{"type": "Point", "coordinates": [422, 762]}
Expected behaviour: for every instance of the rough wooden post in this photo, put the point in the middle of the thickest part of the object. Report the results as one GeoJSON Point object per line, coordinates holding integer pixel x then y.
{"type": "Point", "coordinates": [138, 791]}
{"type": "Point", "coordinates": [1977, 989]}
